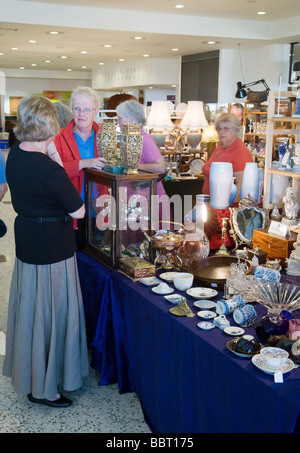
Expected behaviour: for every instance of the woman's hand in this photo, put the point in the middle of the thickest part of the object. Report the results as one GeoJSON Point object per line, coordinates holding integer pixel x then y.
{"type": "Point", "coordinates": [97, 163]}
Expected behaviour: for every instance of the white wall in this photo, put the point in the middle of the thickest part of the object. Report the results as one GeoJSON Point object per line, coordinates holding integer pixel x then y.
{"type": "Point", "coordinates": [249, 65]}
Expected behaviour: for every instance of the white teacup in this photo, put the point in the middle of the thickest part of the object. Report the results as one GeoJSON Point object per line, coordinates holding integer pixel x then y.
{"type": "Point", "coordinates": [183, 281]}
{"type": "Point", "coordinates": [274, 357]}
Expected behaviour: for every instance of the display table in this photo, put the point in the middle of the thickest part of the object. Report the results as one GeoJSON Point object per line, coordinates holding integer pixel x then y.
{"type": "Point", "coordinates": [186, 378]}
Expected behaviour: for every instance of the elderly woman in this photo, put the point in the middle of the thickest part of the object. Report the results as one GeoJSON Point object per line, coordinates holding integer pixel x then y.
{"type": "Point", "coordinates": [46, 340]}
{"type": "Point", "coordinates": [230, 149]}
{"type": "Point", "coordinates": [77, 145]}
{"type": "Point", "coordinates": [132, 112]}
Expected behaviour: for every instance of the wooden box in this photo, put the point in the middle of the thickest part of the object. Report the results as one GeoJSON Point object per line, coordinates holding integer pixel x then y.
{"type": "Point", "coordinates": [276, 247]}
{"type": "Point", "coordinates": [136, 267]}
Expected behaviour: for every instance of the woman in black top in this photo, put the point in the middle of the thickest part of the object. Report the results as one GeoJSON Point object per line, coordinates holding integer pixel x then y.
{"type": "Point", "coordinates": [46, 340]}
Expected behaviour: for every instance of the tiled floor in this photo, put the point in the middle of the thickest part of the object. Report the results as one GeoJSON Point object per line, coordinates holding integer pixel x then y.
{"type": "Point", "coordinates": [95, 409]}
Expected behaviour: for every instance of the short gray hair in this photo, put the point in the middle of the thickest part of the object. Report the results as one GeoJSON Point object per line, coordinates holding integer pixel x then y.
{"type": "Point", "coordinates": [134, 109]}
{"type": "Point", "coordinates": [36, 120]}
{"type": "Point", "coordinates": [234, 121]}
{"type": "Point", "coordinates": [88, 92]}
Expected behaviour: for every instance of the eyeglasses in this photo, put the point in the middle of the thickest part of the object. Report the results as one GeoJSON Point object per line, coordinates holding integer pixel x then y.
{"type": "Point", "coordinates": [224, 129]}
{"type": "Point", "coordinates": [84, 110]}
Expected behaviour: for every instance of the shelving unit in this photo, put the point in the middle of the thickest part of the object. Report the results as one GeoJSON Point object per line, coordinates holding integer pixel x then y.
{"type": "Point", "coordinates": [280, 126]}
{"type": "Point", "coordinates": [254, 138]}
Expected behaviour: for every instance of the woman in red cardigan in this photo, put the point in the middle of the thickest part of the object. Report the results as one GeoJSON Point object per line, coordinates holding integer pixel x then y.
{"type": "Point", "coordinates": [77, 145]}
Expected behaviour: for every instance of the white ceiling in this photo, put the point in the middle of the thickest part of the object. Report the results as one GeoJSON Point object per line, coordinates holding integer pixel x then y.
{"type": "Point", "coordinates": [86, 25]}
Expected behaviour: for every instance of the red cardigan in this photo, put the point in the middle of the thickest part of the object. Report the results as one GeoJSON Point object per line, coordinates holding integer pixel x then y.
{"type": "Point", "coordinates": [68, 150]}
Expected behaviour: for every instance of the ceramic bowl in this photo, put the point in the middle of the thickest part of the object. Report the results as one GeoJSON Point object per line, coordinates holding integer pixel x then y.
{"type": "Point", "coordinates": [183, 281]}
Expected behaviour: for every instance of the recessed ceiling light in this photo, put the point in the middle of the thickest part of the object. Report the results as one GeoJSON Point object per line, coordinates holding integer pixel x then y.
{"type": "Point", "coordinates": [69, 69]}
{"type": "Point", "coordinates": [21, 67]}
{"type": "Point", "coordinates": [211, 42]}
{"type": "Point", "coordinates": [83, 67]}
{"type": "Point", "coordinates": [53, 32]}
{"type": "Point", "coordinates": [32, 41]}
{"type": "Point", "coordinates": [138, 37]}
{"type": "Point", "coordinates": [146, 55]}
{"type": "Point", "coordinates": [101, 64]}
{"type": "Point", "coordinates": [14, 48]}
{"type": "Point", "coordinates": [179, 6]}
{"type": "Point", "coordinates": [121, 59]}
{"type": "Point", "coordinates": [33, 64]}
{"type": "Point", "coordinates": [47, 61]}
{"type": "Point", "coordinates": [175, 50]}
{"type": "Point", "coordinates": [261, 12]}
{"type": "Point", "coordinates": [107, 45]}
{"type": "Point", "coordinates": [63, 56]}
{"type": "Point", "coordinates": [1, 53]}
{"type": "Point", "coordinates": [150, 88]}
{"type": "Point", "coordinates": [83, 51]}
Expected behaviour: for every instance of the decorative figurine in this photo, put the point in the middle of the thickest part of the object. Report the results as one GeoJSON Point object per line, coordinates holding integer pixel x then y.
{"type": "Point", "coordinates": [291, 207]}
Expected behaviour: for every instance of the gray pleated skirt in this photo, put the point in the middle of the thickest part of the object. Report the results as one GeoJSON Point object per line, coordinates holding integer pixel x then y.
{"type": "Point", "coordinates": [46, 348]}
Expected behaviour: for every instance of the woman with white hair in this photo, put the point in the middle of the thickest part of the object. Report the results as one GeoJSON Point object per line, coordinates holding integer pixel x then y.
{"type": "Point", "coordinates": [230, 149]}
{"type": "Point", "coordinates": [77, 144]}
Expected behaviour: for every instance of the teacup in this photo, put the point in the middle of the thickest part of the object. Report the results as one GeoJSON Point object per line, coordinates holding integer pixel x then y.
{"type": "Point", "coordinates": [274, 357]}
{"type": "Point", "coordinates": [183, 281]}
{"type": "Point", "coordinates": [245, 315]}
{"type": "Point", "coordinates": [224, 307]}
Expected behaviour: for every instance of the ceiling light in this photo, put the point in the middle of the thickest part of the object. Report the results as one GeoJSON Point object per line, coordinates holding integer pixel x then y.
{"type": "Point", "coordinates": [47, 61]}
{"type": "Point", "coordinates": [211, 42]}
{"type": "Point", "coordinates": [101, 64]}
{"type": "Point", "coordinates": [14, 48]}
{"type": "Point", "coordinates": [107, 45]}
{"type": "Point", "coordinates": [179, 6]}
{"type": "Point", "coordinates": [21, 67]}
{"type": "Point", "coordinates": [63, 56]}
{"type": "Point", "coordinates": [83, 67]}
{"type": "Point", "coordinates": [32, 41]}
{"type": "Point", "coordinates": [261, 12]}
{"type": "Point", "coordinates": [69, 69]}
{"type": "Point", "coordinates": [121, 59]}
{"type": "Point", "coordinates": [1, 53]}
{"type": "Point", "coordinates": [138, 37]}
{"type": "Point", "coordinates": [175, 50]}
{"type": "Point", "coordinates": [146, 55]}
{"type": "Point", "coordinates": [83, 51]}
{"type": "Point", "coordinates": [33, 64]}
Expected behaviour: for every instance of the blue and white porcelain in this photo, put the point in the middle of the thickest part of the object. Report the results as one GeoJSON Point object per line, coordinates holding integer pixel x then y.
{"type": "Point", "coordinates": [227, 306]}
{"type": "Point", "coordinates": [245, 316]}
{"type": "Point", "coordinates": [274, 357]}
{"type": "Point", "coordinates": [221, 322]}
{"type": "Point", "coordinates": [264, 274]}
{"type": "Point", "coordinates": [206, 314]}
{"type": "Point", "coordinates": [220, 184]}
{"type": "Point", "coordinates": [205, 325]}
{"type": "Point", "coordinates": [250, 182]}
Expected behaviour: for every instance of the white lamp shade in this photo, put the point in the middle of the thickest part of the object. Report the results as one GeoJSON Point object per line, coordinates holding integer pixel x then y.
{"type": "Point", "coordinates": [194, 117]}
{"type": "Point", "coordinates": [159, 116]}
{"type": "Point", "coordinates": [2, 83]}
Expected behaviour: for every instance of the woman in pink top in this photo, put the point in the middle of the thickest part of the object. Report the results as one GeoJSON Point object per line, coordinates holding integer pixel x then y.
{"type": "Point", "coordinates": [230, 149]}
{"type": "Point", "coordinates": [132, 112]}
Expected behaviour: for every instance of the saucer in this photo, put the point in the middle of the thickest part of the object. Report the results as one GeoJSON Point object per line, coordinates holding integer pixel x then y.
{"type": "Point", "coordinates": [258, 361]}
{"type": "Point", "coordinates": [231, 345]}
{"type": "Point", "coordinates": [168, 276]}
{"type": "Point", "coordinates": [149, 281]}
{"type": "Point", "coordinates": [202, 293]}
{"type": "Point", "coordinates": [205, 304]}
{"type": "Point", "coordinates": [156, 291]}
{"type": "Point", "coordinates": [206, 314]}
{"type": "Point", "coordinates": [232, 330]}
{"type": "Point", "coordinates": [173, 298]}
{"type": "Point", "coordinates": [205, 325]}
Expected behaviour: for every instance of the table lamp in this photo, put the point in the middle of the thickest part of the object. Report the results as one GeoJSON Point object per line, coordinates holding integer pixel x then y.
{"type": "Point", "coordinates": [193, 121]}
{"type": "Point", "coordinates": [159, 121]}
{"type": "Point", "coordinates": [210, 138]}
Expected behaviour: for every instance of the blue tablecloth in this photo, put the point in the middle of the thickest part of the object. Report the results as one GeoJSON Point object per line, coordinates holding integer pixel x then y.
{"type": "Point", "coordinates": [186, 378]}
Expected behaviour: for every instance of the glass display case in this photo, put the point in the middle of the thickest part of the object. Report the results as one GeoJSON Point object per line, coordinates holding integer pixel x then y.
{"type": "Point", "coordinates": [119, 209]}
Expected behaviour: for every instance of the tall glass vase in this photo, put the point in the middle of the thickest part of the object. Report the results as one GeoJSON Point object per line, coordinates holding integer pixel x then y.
{"type": "Point", "coordinates": [250, 182]}
{"type": "Point", "coordinates": [220, 183]}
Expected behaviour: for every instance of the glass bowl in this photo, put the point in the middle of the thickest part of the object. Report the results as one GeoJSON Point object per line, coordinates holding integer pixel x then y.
{"type": "Point", "coordinates": [276, 297]}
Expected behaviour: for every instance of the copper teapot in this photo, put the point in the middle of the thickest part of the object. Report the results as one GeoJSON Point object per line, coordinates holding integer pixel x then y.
{"type": "Point", "coordinates": [167, 243]}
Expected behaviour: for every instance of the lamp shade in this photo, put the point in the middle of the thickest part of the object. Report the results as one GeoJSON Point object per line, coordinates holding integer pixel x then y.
{"type": "Point", "coordinates": [241, 92]}
{"type": "Point", "coordinates": [209, 134]}
{"type": "Point", "coordinates": [194, 117]}
{"type": "Point", "coordinates": [159, 116]}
